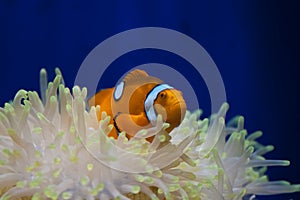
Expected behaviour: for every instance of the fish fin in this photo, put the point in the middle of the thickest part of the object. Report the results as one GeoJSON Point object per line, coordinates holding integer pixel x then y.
{"type": "Point", "coordinates": [131, 124]}
{"type": "Point", "coordinates": [100, 97]}
{"type": "Point", "coordinates": [135, 75]}
{"type": "Point", "coordinates": [113, 133]}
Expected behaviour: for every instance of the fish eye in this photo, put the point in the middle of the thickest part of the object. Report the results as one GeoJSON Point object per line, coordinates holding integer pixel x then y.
{"type": "Point", "coordinates": [162, 95]}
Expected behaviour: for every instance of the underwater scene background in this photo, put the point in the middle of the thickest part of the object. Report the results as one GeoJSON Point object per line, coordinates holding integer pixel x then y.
{"type": "Point", "coordinates": [253, 43]}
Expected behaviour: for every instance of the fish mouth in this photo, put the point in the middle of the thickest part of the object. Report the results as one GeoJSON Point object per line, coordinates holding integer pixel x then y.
{"type": "Point", "coordinates": [178, 105]}
{"type": "Point", "coordinates": [178, 102]}
{"type": "Point", "coordinates": [175, 104]}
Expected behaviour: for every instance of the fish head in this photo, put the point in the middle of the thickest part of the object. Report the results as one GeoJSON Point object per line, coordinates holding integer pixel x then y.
{"type": "Point", "coordinates": [171, 105]}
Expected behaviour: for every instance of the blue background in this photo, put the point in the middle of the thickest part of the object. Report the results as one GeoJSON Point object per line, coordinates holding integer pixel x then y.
{"type": "Point", "coordinates": [255, 45]}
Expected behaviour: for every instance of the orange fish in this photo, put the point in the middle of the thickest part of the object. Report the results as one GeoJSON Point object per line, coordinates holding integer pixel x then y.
{"type": "Point", "coordinates": [137, 100]}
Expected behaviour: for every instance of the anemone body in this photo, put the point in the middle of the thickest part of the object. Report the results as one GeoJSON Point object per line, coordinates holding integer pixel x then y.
{"type": "Point", "coordinates": [54, 148]}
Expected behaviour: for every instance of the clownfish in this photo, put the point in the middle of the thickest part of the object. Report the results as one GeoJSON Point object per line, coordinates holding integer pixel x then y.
{"type": "Point", "coordinates": [136, 101]}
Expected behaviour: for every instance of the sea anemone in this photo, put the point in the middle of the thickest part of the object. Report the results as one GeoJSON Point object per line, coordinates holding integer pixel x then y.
{"type": "Point", "coordinates": [54, 148]}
